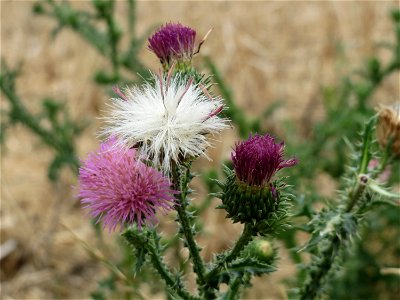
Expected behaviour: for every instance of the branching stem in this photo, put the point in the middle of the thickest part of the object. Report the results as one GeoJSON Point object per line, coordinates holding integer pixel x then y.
{"type": "Point", "coordinates": [162, 269]}
{"type": "Point", "coordinates": [245, 238]}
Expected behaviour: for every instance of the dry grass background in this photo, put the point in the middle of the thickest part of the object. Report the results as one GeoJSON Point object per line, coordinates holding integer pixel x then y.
{"type": "Point", "coordinates": [265, 50]}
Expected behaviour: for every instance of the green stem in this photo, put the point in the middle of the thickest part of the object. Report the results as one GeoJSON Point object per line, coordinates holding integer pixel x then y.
{"type": "Point", "coordinates": [149, 241]}
{"type": "Point", "coordinates": [245, 238]}
{"type": "Point", "coordinates": [19, 113]}
{"type": "Point", "coordinates": [132, 17]}
{"type": "Point", "coordinates": [114, 39]}
{"type": "Point", "coordinates": [318, 272]}
{"type": "Point", "coordinates": [328, 255]}
{"type": "Point", "coordinates": [232, 294]}
{"type": "Point", "coordinates": [187, 229]}
{"type": "Point", "coordinates": [356, 193]}
{"type": "Point", "coordinates": [162, 269]}
{"type": "Point", "coordinates": [385, 160]}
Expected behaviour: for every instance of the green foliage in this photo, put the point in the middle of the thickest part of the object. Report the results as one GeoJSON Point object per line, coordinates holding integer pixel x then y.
{"type": "Point", "coordinates": [52, 125]}
{"type": "Point", "coordinates": [377, 249]}
{"type": "Point", "coordinates": [150, 241]}
{"type": "Point", "coordinates": [333, 229]}
{"type": "Point", "coordinates": [106, 41]}
{"type": "Point", "coordinates": [346, 108]}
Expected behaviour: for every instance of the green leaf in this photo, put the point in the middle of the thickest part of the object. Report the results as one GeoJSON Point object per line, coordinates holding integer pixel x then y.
{"type": "Point", "coordinates": [140, 259]}
{"type": "Point", "coordinates": [365, 150]}
{"type": "Point", "coordinates": [373, 185]}
{"type": "Point", "coordinates": [250, 265]}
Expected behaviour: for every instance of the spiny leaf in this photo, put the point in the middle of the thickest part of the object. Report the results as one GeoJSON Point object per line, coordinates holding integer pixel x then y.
{"type": "Point", "coordinates": [140, 259]}
{"type": "Point", "coordinates": [250, 265]}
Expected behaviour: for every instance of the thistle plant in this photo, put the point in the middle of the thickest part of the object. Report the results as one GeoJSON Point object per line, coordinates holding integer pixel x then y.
{"type": "Point", "coordinates": [59, 136]}
{"type": "Point", "coordinates": [334, 229]}
{"type": "Point", "coordinates": [153, 134]}
{"type": "Point", "coordinates": [155, 130]}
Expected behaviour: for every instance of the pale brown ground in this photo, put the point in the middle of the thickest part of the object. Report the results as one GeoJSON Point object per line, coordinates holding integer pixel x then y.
{"type": "Point", "coordinates": [265, 50]}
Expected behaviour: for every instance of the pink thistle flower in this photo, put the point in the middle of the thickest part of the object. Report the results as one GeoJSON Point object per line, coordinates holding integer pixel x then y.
{"type": "Point", "coordinates": [119, 189]}
{"type": "Point", "coordinates": [258, 159]}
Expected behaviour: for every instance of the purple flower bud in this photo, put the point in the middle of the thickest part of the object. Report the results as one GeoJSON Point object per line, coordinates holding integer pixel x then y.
{"type": "Point", "coordinates": [258, 159]}
{"type": "Point", "coordinates": [173, 42]}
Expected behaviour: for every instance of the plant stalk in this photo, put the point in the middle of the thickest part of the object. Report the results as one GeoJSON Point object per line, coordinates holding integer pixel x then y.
{"type": "Point", "coordinates": [181, 184]}
{"type": "Point", "coordinates": [245, 238]}
{"type": "Point", "coordinates": [162, 269]}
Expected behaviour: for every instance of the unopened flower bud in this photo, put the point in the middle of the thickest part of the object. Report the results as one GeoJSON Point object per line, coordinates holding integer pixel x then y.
{"type": "Point", "coordinates": [173, 42]}
{"type": "Point", "coordinates": [262, 250]}
{"type": "Point", "coordinates": [388, 127]}
{"type": "Point", "coordinates": [250, 194]}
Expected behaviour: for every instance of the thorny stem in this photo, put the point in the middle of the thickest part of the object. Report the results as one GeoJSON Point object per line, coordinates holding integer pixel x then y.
{"type": "Point", "coordinates": [234, 289]}
{"type": "Point", "coordinates": [329, 253]}
{"type": "Point", "coordinates": [321, 269]}
{"type": "Point", "coordinates": [181, 184]}
{"type": "Point", "coordinates": [152, 246]}
{"type": "Point", "coordinates": [357, 192]}
{"type": "Point", "coordinates": [162, 269]}
{"type": "Point", "coordinates": [245, 238]}
{"type": "Point", "coordinates": [19, 111]}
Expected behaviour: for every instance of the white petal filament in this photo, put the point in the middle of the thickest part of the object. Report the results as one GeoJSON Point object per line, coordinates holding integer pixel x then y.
{"type": "Point", "coordinates": [166, 122]}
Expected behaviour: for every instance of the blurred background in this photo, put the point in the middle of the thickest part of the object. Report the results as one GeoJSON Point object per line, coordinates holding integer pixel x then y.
{"type": "Point", "coordinates": [268, 53]}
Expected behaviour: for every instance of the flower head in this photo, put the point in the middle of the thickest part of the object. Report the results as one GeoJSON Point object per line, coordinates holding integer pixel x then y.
{"type": "Point", "coordinates": [118, 188]}
{"type": "Point", "coordinates": [167, 122]}
{"type": "Point", "coordinates": [249, 193]}
{"type": "Point", "coordinates": [258, 159]}
{"type": "Point", "coordinates": [388, 127]}
{"type": "Point", "coordinates": [173, 42]}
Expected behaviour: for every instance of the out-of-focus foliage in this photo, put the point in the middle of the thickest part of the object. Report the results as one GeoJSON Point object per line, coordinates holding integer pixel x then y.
{"type": "Point", "coordinates": [106, 41]}
{"type": "Point", "coordinates": [52, 125]}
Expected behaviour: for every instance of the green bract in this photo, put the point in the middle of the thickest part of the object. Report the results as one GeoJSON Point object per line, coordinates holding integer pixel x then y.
{"type": "Point", "coordinates": [248, 204]}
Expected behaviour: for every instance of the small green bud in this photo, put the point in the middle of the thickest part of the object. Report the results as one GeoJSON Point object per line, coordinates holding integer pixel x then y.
{"type": "Point", "coordinates": [261, 249]}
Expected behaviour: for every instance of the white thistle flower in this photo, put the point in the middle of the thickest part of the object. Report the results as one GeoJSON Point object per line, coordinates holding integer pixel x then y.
{"type": "Point", "coordinates": [166, 122]}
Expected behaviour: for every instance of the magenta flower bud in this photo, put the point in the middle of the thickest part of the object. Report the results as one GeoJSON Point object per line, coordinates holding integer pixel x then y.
{"type": "Point", "coordinates": [258, 159]}
{"type": "Point", "coordinates": [118, 189]}
{"type": "Point", "coordinates": [173, 42]}
{"type": "Point", "coordinates": [250, 194]}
